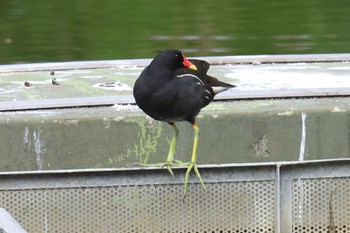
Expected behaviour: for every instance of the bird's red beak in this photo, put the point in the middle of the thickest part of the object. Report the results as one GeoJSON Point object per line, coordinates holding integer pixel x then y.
{"type": "Point", "coordinates": [188, 64]}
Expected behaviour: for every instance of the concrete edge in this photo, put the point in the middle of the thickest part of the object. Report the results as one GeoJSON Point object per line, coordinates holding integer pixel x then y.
{"type": "Point", "coordinates": [242, 59]}
{"type": "Point", "coordinates": [107, 101]}
{"type": "Point", "coordinates": [205, 166]}
{"type": "Point", "coordinates": [81, 102]}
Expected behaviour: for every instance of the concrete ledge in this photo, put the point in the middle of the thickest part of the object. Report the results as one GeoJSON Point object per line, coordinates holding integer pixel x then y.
{"type": "Point", "coordinates": [253, 59]}
{"type": "Point", "coordinates": [77, 125]}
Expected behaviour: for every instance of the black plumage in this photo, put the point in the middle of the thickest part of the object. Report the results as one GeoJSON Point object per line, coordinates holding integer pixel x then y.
{"type": "Point", "coordinates": [173, 88]}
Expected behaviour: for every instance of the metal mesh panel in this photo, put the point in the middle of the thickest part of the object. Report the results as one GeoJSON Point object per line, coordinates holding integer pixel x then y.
{"type": "Point", "coordinates": [321, 205]}
{"type": "Point", "coordinates": [222, 207]}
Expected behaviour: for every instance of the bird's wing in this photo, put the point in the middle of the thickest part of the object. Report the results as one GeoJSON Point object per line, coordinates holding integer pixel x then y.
{"type": "Point", "coordinates": [213, 84]}
{"type": "Point", "coordinates": [202, 66]}
{"type": "Point", "coordinates": [194, 90]}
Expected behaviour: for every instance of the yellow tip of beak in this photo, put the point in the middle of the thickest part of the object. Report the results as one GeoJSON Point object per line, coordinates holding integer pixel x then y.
{"type": "Point", "coordinates": [192, 67]}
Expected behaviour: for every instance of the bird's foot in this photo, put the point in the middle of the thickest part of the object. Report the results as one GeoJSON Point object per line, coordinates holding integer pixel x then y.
{"type": "Point", "coordinates": [167, 164]}
{"type": "Point", "coordinates": [192, 165]}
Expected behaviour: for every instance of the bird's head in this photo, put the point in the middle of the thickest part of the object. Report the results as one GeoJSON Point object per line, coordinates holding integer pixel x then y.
{"type": "Point", "coordinates": [173, 59]}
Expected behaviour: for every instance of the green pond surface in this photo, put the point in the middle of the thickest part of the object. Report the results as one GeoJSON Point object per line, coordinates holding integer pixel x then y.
{"type": "Point", "coordinates": [42, 31]}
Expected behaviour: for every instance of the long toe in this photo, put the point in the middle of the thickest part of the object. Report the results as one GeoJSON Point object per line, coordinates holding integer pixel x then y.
{"type": "Point", "coordinates": [162, 165]}
{"type": "Point", "coordinates": [198, 175]}
{"type": "Point", "coordinates": [196, 171]}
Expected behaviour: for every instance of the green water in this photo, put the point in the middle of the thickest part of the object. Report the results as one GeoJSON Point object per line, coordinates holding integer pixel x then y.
{"type": "Point", "coordinates": [49, 30]}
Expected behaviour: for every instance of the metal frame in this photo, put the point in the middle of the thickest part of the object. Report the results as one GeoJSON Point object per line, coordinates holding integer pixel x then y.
{"type": "Point", "coordinates": [8, 224]}
{"type": "Point", "coordinates": [282, 173]}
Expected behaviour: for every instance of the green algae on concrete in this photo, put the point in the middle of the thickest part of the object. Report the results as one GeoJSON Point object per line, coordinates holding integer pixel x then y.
{"type": "Point", "coordinates": [149, 133]}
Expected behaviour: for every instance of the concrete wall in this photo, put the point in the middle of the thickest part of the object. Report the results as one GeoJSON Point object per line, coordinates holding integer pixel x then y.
{"type": "Point", "coordinates": [232, 131]}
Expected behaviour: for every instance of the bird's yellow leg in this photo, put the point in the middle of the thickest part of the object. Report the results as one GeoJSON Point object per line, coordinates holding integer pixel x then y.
{"type": "Point", "coordinates": [170, 161]}
{"type": "Point", "coordinates": [193, 163]}
{"type": "Point", "coordinates": [170, 158]}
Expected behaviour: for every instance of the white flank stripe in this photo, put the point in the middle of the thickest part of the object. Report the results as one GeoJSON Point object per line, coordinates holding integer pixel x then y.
{"type": "Point", "coordinates": [191, 75]}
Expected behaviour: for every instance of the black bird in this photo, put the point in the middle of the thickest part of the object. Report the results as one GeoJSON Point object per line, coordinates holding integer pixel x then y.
{"type": "Point", "coordinates": [173, 88]}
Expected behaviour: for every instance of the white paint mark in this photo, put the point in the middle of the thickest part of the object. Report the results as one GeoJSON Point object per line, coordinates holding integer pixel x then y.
{"type": "Point", "coordinates": [26, 140]}
{"type": "Point", "coordinates": [118, 118]}
{"type": "Point", "coordinates": [107, 122]}
{"type": "Point", "coordinates": [125, 107]}
{"type": "Point", "coordinates": [336, 109]}
{"type": "Point", "coordinates": [38, 148]}
{"type": "Point", "coordinates": [70, 122]}
{"type": "Point", "coordinates": [26, 135]}
{"type": "Point", "coordinates": [286, 113]}
{"type": "Point", "coordinates": [303, 137]}
{"type": "Point", "coordinates": [91, 76]}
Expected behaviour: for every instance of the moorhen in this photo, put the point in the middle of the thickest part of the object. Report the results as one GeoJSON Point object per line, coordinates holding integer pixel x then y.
{"type": "Point", "coordinates": [173, 88]}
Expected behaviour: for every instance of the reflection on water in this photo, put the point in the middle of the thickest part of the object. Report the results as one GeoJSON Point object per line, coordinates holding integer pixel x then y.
{"type": "Point", "coordinates": [111, 29]}
{"type": "Point", "coordinates": [196, 38]}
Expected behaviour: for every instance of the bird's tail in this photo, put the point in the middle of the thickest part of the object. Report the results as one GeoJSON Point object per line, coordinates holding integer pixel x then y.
{"type": "Point", "coordinates": [217, 85]}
